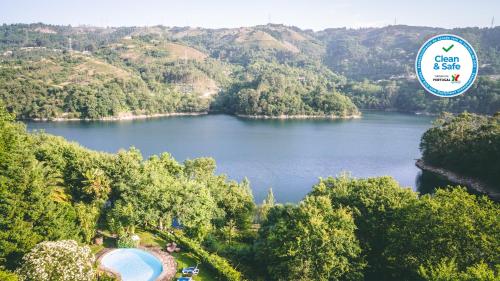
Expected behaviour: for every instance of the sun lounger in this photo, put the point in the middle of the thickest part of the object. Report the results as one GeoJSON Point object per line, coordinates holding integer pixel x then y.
{"type": "Point", "coordinates": [191, 270]}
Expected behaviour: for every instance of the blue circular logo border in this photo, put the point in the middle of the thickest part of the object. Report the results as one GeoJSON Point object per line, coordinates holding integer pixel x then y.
{"type": "Point", "coordinates": [426, 85]}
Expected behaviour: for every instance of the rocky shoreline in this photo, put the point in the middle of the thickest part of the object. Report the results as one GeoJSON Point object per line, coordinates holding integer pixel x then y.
{"type": "Point", "coordinates": [127, 116]}
{"type": "Point", "coordinates": [475, 184]}
{"type": "Point", "coordinates": [282, 117]}
{"type": "Point", "coordinates": [122, 117]}
{"type": "Point", "coordinates": [423, 113]}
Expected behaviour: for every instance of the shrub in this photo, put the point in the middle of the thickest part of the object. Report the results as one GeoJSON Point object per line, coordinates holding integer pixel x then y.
{"type": "Point", "coordinates": [8, 276]}
{"type": "Point", "coordinates": [447, 270]}
{"type": "Point", "coordinates": [105, 276]}
{"type": "Point", "coordinates": [126, 241]}
{"type": "Point", "coordinates": [58, 261]}
{"type": "Point", "coordinates": [217, 263]}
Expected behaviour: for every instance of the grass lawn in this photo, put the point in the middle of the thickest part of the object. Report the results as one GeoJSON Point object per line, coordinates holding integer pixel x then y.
{"type": "Point", "coordinates": [150, 240]}
{"type": "Point", "coordinates": [108, 242]}
{"type": "Point", "coordinates": [96, 248]}
{"type": "Point", "coordinates": [184, 259]}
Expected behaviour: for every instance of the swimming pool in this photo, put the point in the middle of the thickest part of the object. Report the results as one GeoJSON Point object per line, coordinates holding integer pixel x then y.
{"type": "Point", "coordinates": [133, 264]}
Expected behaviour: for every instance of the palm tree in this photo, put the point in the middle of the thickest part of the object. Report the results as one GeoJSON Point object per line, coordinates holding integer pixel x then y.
{"type": "Point", "coordinates": [96, 184]}
{"type": "Point", "coordinates": [53, 181]}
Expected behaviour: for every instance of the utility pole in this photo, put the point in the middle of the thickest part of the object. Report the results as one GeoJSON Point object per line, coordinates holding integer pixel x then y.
{"type": "Point", "coordinates": [70, 44]}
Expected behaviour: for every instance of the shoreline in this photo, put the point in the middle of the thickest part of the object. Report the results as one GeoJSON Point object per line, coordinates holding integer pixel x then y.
{"type": "Point", "coordinates": [129, 116]}
{"type": "Point", "coordinates": [472, 183]}
{"type": "Point", "coordinates": [296, 117]}
{"type": "Point", "coordinates": [421, 113]}
{"type": "Point", "coordinates": [126, 117]}
{"type": "Point", "coordinates": [119, 118]}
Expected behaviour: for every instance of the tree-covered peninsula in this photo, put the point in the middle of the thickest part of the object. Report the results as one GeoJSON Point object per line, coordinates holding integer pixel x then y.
{"type": "Point", "coordinates": [467, 145]}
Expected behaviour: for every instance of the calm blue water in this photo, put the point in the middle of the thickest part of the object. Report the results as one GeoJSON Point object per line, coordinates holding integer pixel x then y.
{"type": "Point", "coordinates": [287, 155]}
{"type": "Point", "coordinates": [133, 264]}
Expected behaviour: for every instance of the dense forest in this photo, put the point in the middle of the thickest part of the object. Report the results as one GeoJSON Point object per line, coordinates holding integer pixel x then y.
{"type": "Point", "coordinates": [468, 144]}
{"type": "Point", "coordinates": [345, 229]}
{"type": "Point", "coordinates": [407, 96]}
{"type": "Point", "coordinates": [373, 229]}
{"type": "Point", "coordinates": [49, 71]}
{"type": "Point", "coordinates": [52, 189]}
{"type": "Point", "coordinates": [274, 90]}
{"type": "Point", "coordinates": [54, 84]}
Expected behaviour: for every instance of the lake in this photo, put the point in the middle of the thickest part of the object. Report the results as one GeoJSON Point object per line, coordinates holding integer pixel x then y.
{"type": "Point", "coordinates": [287, 155]}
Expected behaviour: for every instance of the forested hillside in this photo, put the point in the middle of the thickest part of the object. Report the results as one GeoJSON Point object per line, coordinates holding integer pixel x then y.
{"type": "Point", "coordinates": [382, 53]}
{"type": "Point", "coordinates": [49, 71]}
{"type": "Point", "coordinates": [407, 95]}
{"type": "Point", "coordinates": [49, 84]}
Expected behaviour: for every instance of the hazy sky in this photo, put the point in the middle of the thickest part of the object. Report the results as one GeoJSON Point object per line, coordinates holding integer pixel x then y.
{"type": "Point", "coordinates": [314, 14]}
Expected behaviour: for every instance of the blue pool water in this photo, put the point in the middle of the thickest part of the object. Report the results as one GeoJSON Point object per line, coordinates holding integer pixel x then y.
{"type": "Point", "coordinates": [133, 264]}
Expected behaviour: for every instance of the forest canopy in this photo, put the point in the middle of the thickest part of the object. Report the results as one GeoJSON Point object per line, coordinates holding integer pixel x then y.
{"type": "Point", "coordinates": [344, 229]}
{"type": "Point", "coordinates": [52, 189]}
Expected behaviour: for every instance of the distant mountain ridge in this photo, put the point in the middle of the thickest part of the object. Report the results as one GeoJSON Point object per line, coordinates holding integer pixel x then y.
{"type": "Point", "coordinates": [267, 70]}
{"type": "Point", "coordinates": [391, 49]}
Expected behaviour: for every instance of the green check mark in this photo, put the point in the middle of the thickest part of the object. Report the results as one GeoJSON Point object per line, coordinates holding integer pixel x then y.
{"type": "Point", "coordinates": [448, 49]}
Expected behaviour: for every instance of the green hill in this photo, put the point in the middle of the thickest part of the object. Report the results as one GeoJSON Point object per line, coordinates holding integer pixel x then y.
{"type": "Point", "coordinates": [47, 84]}
{"type": "Point", "coordinates": [50, 71]}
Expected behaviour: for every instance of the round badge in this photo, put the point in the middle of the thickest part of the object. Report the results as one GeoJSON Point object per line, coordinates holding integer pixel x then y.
{"type": "Point", "coordinates": [446, 65]}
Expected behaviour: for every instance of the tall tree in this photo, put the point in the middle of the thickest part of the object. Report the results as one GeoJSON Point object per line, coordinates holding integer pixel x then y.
{"type": "Point", "coordinates": [29, 211]}
{"type": "Point", "coordinates": [374, 202]}
{"type": "Point", "coordinates": [310, 241]}
{"type": "Point", "coordinates": [451, 224]}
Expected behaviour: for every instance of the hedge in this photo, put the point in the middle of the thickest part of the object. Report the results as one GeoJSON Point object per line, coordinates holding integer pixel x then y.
{"type": "Point", "coordinates": [217, 263]}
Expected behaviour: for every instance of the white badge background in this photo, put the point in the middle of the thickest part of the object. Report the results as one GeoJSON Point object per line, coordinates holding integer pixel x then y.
{"type": "Point", "coordinates": [458, 50]}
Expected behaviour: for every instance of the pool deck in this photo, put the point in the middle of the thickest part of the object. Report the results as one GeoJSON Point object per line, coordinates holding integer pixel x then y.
{"type": "Point", "coordinates": [168, 262]}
